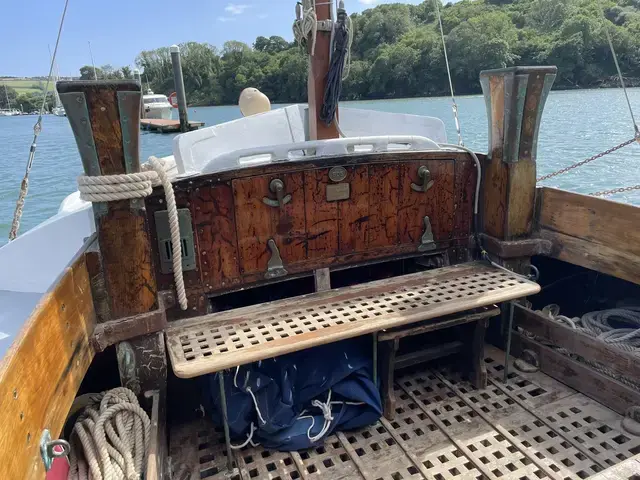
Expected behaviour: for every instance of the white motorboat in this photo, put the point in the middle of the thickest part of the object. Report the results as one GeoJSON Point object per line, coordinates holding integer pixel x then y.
{"type": "Point", "coordinates": [157, 106]}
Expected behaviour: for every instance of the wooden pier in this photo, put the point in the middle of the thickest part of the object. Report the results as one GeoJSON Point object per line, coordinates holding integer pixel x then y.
{"type": "Point", "coordinates": [166, 126]}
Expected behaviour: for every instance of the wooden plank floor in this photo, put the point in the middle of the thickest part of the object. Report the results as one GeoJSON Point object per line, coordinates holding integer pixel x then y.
{"type": "Point", "coordinates": [223, 340]}
{"type": "Point", "coordinates": [534, 427]}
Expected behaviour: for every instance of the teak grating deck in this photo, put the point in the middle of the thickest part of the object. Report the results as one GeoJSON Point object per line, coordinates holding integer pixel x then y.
{"type": "Point", "coordinates": [223, 340]}
{"type": "Point", "coordinates": [444, 430]}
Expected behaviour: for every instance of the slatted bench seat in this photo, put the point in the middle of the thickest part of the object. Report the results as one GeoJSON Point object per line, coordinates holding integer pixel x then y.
{"type": "Point", "coordinates": [227, 339]}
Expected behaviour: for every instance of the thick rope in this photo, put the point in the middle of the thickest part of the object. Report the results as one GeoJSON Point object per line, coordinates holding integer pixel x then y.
{"type": "Point", "coordinates": [37, 128]}
{"type": "Point", "coordinates": [111, 188]}
{"type": "Point", "coordinates": [110, 443]}
{"type": "Point", "coordinates": [305, 26]}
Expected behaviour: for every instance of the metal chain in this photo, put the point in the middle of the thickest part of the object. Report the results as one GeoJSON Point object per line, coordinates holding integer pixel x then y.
{"type": "Point", "coordinates": [590, 159]}
{"type": "Point", "coordinates": [605, 193]}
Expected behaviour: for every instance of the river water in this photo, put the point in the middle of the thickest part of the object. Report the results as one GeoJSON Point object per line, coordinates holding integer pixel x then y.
{"type": "Point", "coordinates": [575, 125]}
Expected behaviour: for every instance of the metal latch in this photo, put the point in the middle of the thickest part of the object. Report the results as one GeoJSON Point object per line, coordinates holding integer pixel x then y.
{"type": "Point", "coordinates": [164, 240]}
{"type": "Point", "coordinates": [427, 243]}
{"type": "Point", "coordinates": [425, 176]}
{"type": "Point", "coordinates": [277, 186]}
{"type": "Point", "coordinates": [275, 268]}
{"type": "Point", "coordinates": [51, 449]}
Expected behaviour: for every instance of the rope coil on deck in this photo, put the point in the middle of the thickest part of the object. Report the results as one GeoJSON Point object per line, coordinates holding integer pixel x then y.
{"type": "Point", "coordinates": [110, 443]}
{"type": "Point", "coordinates": [112, 188]}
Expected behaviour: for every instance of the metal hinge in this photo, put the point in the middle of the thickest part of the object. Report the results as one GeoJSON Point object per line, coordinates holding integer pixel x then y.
{"type": "Point", "coordinates": [426, 242]}
{"type": "Point", "coordinates": [275, 268]}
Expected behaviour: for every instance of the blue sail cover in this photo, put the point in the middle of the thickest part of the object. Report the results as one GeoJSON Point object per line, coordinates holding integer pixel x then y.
{"type": "Point", "coordinates": [294, 401]}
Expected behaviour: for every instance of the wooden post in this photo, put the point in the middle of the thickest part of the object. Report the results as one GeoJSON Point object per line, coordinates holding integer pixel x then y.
{"type": "Point", "coordinates": [180, 91]}
{"type": "Point", "coordinates": [515, 99]}
{"type": "Point", "coordinates": [105, 119]}
{"type": "Point", "coordinates": [138, 78]}
{"type": "Point", "coordinates": [317, 80]}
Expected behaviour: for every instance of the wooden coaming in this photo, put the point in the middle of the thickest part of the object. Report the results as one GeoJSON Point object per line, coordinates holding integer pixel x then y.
{"type": "Point", "coordinates": [382, 217]}
{"type": "Point", "coordinates": [42, 371]}
{"type": "Point", "coordinates": [591, 232]}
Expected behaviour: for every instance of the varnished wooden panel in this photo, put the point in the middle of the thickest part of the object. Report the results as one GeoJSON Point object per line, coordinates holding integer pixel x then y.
{"type": "Point", "coordinates": [354, 213]}
{"type": "Point", "coordinates": [215, 228]}
{"type": "Point", "coordinates": [257, 222]}
{"type": "Point", "coordinates": [384, 182]}
{"type": "Point", "coordinates": [42, 371]}
{"type": "Point", "coordinates": [436, 203]}
{"type": "Point", "coordinates": [466, 175]}
{"type": "Point", "coordinates": [321, 216]}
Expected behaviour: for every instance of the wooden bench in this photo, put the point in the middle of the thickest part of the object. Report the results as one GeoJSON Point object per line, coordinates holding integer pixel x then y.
{"type": "Point", "coordinates": [470, 345]}
{"type": "Point", "coordinates": [219, 341]}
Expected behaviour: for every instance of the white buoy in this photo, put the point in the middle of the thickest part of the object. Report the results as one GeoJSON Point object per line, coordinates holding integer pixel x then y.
{"type": "Point", "coordinates": [253, 101]}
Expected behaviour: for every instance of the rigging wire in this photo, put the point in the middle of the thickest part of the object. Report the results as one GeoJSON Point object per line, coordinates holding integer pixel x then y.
{"type": "Point", "coordinates": [454, 107]}
{"type": "Point", "coordinates": [615, 60]}
{"type": "Point", "coordinates": [37, 128]}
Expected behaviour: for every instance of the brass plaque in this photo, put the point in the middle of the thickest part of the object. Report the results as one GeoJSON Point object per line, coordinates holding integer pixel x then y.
{"type": "Point", "coordinates": [337, 174]}
{"type": "Point", "coordinates": [339, 191]}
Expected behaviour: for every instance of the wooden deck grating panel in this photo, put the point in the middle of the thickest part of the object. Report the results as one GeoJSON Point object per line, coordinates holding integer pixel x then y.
{"type": "Point", "coordinates": [414, 447]}
{"type": "Point", "coordinates": [224, 340]}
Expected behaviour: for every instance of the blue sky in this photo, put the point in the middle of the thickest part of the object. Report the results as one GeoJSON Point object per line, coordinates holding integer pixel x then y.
{"type": "Point", "coordinates": [120, 29]}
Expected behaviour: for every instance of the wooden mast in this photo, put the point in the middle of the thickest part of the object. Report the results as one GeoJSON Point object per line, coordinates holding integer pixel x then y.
{"type": "Point", "coordinates": [317, 80]}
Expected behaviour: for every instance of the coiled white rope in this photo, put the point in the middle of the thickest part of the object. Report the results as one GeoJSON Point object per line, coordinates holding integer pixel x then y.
{"type": "Point", "coordinates": [111, 188]}
{"type": "Point", "coordinates": [110, 443]}
{"type": "Point", "coordinates": [306, 24]}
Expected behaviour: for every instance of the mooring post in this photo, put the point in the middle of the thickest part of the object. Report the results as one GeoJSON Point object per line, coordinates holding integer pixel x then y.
{"type": "Point", "coordinates": [105, 119]}
{"type": "Point", "coordinates": [179, 84]}
{"type": "Point", "coordinates": [138, 78]}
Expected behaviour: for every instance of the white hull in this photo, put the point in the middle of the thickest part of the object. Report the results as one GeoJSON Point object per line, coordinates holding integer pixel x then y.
{"type": "Point", "coordinates": [59, 111]}
{"type": "Point", "coordinates": [158, 111]}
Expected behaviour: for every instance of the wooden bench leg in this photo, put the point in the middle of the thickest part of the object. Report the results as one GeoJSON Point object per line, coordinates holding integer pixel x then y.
{"type": "Point", "coordinates": [478, 373]}
{"type": "Point", "coordinates": [387, 354]}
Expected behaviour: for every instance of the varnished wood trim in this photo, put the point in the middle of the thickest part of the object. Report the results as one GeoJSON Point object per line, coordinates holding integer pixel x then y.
{"type": "Point", "coordinates": [43, 369]}
{"type": "Point", "coordinates": [559, 335]}
{"type": "Point", "coordinates": [615, 395]}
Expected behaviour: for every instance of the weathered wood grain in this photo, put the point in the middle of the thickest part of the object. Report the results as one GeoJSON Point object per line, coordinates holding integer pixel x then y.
{"type": "Point", "coordinates": [592, 219]}
{"type": "Point", "coordinates": [615, 395]}
{"type": "Point", "coordinates": [466, 176]}
{"type": "Point", "coordinates": [495, 173]}
{"type": "Point", "coordinates": [353, 214]}
{"type": "Point", "coordinates": [621, 362]}
{"type": "Point", "coordinates": [321, 216]}
{"type": "Point", "coordinates": [437, 203]}
{"type": "Point", "coordinates": [257, 222]}
{"type": "Point", "coordinates": [592, 255]}
{"type": "Point", "coordinates": [41, 372]}
{"type": "Point", "coordinates": [320, 60]}
{"type": "Point", "coordinates": [384, 183]}
{"type": "Point", "coordinates": [215, 228]}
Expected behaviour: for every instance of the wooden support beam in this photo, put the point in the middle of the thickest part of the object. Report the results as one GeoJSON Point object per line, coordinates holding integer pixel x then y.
{"type": "Point", "coordinates": [619, 361]}
{"type": "Point", "coordinates": [515, 248]}
{"type": "Point", "coordinates": [317, 80]}
{"type": "Point", "coordinates": [515, 98]}
{"type": "Point", "coordinates": [615, 395]}
{"type": "Point", "coordinates": [105, 119]}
